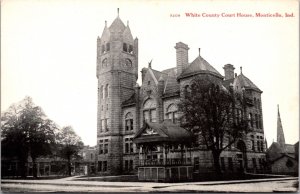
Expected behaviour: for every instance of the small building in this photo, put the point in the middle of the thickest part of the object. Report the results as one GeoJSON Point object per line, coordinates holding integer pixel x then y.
{"type": "Point", "coordinates": [164, 152]}
{"type": "Point", "coordinates": [285, 164]}
{"type": "Point", "coordinates": [282, 158]}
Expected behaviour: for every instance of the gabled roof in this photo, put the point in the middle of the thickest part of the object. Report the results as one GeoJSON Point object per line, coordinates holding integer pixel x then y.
{"type": "Point", "coordinates": [282, 156]}
{"type": "Point", "coordinates": [164, 132]}
{"type": "Point", "coordinates": [199, 65]}
{"type": "Point", "coordinates": [290, 149]}
{"type": "Point", "coordinates": [242, 81]}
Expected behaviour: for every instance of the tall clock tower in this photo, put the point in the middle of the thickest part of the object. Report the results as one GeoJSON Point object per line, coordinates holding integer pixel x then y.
{"type": "Point", "coordinates": [117, 72]}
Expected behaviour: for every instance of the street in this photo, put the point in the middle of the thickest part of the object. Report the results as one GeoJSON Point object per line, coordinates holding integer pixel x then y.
{"type": "Point", "coordinates": [73, 185]}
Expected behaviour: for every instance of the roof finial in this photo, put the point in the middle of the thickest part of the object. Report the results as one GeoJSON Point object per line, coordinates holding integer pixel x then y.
{"type": "Point", "coordinates": [127, 23]}
{"type": "Point", "coordinates": [149, 64]}
{"type": "Point", "coordinates": [241, 68]}
{"type": "Point", "coordinates": [105, 23]}
{"type": "Point", "coordinates": [199, 50]}
{"type": "Point", "coordinates": [118, 12]}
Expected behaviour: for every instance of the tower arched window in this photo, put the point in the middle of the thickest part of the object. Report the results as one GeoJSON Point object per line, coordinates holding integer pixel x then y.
{"type": "Point", "coordinates": [103, 49]}
{"type": "Point", "coordinates": [251, 119]}
{"type": "Point", "coordinates": [101, 92]}
{"type": "Point", "coordinates": [107, 46]}
{"type": "Point", "coordinates": [106, 90]}
{"type": "Point", "coordinates": [130, 49]}
{"type": "Point", "coordinates": [129, 122]}
{"type": "Point", "coordinates": [256, 121]}
{"type": "Point", "coordinates": [172, 113]}
{"type": "Point", "coordinates": [124, 47]}
{"type": "Point", "coordinates": [149, 110]}
{"type": "Point", "coordinates": [104, 62]}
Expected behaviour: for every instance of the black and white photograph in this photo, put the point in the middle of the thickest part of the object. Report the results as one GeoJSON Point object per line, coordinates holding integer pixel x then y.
{"type": "Point", "coordinates": [155, 96]}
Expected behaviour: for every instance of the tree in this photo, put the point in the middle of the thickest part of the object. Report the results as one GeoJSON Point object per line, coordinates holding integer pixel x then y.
{"type": "Point", "coordinates": [26, 131]}
{"type": "Point", "coordinates": [69, 145]}
{"type": "Point", "coordinates": [209, 109]}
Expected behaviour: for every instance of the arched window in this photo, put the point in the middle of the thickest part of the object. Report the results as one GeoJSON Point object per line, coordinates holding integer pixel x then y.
{"type": "Point", "coordinates": [106, 91]}
{"type": "Point", "coordinates": [251, 119]}
{"type": "Point", "coordinates": [186, 89]}
{"type": "Point", "coordinates": [101, 92]}
{"type": "Point", "coordinates": [256, 121]}
{"type": "Point", "coordinates": [255, 103]}
{"type": "Point", "coordinates": [258, 104]}
{"type": "Point", "coordinates": [107, 47]}
{"type": "Point", "coordinates": [104, 62]}
{"type": "Point", "coordinates": [130, 49]}
{"type": "Point", "coordinates": [149, 111]}
{"type": "Point", "coordinates": [172, 113]}
{"type": "Point", "coordinates": [128, 63]}
{"type": "Point", "coordinates": [125, 47]}
{"type": "Point", "coordinates": [103, 49]}
{"type": "Point", "coordinates": [129, 122]}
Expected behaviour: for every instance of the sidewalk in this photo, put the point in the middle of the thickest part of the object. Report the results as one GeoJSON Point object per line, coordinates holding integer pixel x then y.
{"type": "Point", "coordinates": [74, 180]}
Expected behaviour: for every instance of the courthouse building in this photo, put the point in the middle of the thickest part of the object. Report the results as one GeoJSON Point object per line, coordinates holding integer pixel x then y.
{"type": "Point", "coordinates": [130, 116]}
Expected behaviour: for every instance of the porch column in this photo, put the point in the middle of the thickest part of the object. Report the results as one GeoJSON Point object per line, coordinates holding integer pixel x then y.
{"type": "Point", "coordinates": [164, 154]}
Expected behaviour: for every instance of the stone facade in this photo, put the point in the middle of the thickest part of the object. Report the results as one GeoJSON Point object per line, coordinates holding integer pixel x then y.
{"type": "Point", "coordinates": [123, 105]}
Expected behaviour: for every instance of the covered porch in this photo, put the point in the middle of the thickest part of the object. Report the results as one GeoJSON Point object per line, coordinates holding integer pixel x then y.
{"type": "Point", "coordinates": [164, 152]}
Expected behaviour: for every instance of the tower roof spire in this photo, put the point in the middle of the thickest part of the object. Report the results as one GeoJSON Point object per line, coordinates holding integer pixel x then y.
{"type": "Point", "coordinates": [280, 134]}
{"type": "Point", "coordinates": [118, 12]}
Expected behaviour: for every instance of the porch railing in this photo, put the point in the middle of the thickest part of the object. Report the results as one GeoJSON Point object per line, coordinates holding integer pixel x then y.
{"type": "Point", "coordinates": [160, 162]}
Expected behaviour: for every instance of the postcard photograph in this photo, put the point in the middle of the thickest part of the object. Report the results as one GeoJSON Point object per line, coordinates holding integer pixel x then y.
{"type": "Point", "coordinates": [149, 96]}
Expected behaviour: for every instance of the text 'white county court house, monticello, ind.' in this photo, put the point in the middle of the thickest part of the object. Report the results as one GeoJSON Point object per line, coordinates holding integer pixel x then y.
{"type": "Point", "coordinates": [135, 122]}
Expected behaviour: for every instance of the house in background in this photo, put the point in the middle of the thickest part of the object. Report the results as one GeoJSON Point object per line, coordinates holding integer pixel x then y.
{"type": "Point", "coordinates": [282, 158]}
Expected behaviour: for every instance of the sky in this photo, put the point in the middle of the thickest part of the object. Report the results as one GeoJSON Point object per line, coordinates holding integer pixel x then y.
{"type": "Point", "coordinates": [48, 52]}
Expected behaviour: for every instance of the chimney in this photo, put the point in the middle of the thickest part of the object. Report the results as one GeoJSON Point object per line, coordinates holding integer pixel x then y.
{"type": "Point", "coordinates": [229, 71]}
{"type": "Point", "coordinates": [182, 58]}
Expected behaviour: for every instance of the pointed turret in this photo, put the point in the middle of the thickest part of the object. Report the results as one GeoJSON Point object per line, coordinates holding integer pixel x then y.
{"type": "Point", "coordinates": [280, 134]}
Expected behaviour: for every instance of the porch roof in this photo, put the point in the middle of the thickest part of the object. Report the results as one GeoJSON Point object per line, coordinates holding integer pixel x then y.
{"type": "Point", "coordinates": [164, 132]}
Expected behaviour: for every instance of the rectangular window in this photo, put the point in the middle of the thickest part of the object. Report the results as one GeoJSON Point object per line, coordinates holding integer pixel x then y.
{"type": "Point", "coordinates": [253, 145]}
{"type": "Point", "coordinates": [104, 166]}
{"type": "Point", "coordinates": [99, 165]}
{"type": "Point", "coordinates": [107, 124]}
{"type": "Point", "coordinates": [254, 162]}
{"type": "Point", "coordinates": [103, 125]}
{"type": "Point", "coordinates": [130, 165]}
{"type": "Point", "coordinates": [196, 164]}
{"type": "Point", "coordinates": [131, 124]}
{"type": "Point", "coordinates": [105, 148]}
{"type": "Point", "coordinates": [230, 164]}
{"type": "Point", "coordinates": [222, 163]}
{"type": "Point", "coordinates": [126, 148]}
{"type": "Point", "coordinates": [126, 165]}
{"type": "Point", "coordinates": [131, 147]}
{"type": "Point", "coordinates": [101, 149]}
